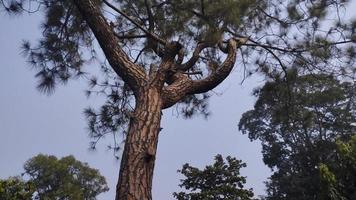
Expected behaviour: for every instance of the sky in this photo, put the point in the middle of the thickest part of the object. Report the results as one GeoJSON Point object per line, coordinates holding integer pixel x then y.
{"type": "Point", "coordinates": [33, 123]}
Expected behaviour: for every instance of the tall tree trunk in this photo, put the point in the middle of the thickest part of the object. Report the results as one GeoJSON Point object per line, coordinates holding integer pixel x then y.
{"type": "Point", "coordinates": [137, 164]}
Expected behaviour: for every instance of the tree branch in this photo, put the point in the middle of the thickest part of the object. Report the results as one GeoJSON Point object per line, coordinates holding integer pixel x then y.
{"type": "Point", "coordinates": [182, 85]}
{"type": "Point", "coordinates": [150, 17]}
{"type": "Point", "coordinates": [152, 35]}
{"type": "Point", "coordinates": [286, 49]}
{"type": "Point", "coordinates": [130, 73]}
{"type": "Point", "coordinates": [177, 90]}
{"type": "Point", "coordinates": [121, 37]}
{"type": "Point", "coordinates": [167, 64]}
{"type": "Point", "coordinates": [195, 57]}
{"type": "Point", "coordinates": [213, 80]}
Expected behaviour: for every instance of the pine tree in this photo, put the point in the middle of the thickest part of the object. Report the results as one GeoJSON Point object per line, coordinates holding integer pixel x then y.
{"type": "Point", "coordinates": [162, 53]}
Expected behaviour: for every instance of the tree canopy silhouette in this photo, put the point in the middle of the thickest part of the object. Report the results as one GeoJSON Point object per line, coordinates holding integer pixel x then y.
{"type": "Point", "coordinates": [52, 178]}
{"type": "Point", "coordinates": [221, 180]}
{"type": "Point", "coordinates": [300, 123]}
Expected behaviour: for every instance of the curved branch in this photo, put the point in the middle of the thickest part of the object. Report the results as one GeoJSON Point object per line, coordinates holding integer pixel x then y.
{"type": "Point", "coordinates": [130, 73]}
{"type": "Point", "coordinates": [182, 85]}
{"type": "Point", "coordinates": [210, 82]}
{"type": "Point", "coordinates": [195, 57]}
{"type": "Point", "coordinates": [177, 90]}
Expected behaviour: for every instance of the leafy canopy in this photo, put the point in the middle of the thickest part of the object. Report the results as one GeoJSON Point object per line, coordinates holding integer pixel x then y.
{"type": "Point", "coordinates": [52, 178]}
{"type": "Point", "coordinates": [298, 121]}
{"type": "Point", "coordinates": [221, 180]}
{"type": "Point", "coordinates": [339, 180]}
{"type": "Point", "coordinates": [16, 188]}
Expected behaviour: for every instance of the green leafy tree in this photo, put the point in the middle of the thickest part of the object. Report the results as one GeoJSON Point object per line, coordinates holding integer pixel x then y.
{"type": "Point", "coordinates": [346, 173]}
{"type": "Point", "coordinates": [51, 178]}
{"type": "Point", "coordinates": [339, 178]}
{"type": "Point", "coordinates": [64, 178]}
{"type": "Point", "coordinates": [221, 180]}
{"type": "Point", "coordinates": [298, 122]}
{"type": "Point", "coordinates": [14, 188]}
{"type": "Point", "coordinates": [162, 53]}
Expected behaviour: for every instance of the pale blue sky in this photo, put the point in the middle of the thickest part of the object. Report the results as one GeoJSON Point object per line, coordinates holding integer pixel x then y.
{"type": "Point", "coordinates": [32, 123]}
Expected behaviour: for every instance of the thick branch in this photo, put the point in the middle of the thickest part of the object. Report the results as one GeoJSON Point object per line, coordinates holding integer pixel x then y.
{"type": "Point", "coordinates": [182, 85]}
{"type": "Point", "coordinates": [131, 73]}
{"type": "Point", "coordinates": [177, 90]}
{"type": "Point", "coordinates": [213, 80]}
{"type": "Point", "coordinates": [167, 65]}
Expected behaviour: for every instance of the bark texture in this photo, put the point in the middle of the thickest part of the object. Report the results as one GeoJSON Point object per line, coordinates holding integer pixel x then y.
{"type": "Point", "coordinates": [159, 88]}
{"type": "Point", "coordinates": [137, 164]}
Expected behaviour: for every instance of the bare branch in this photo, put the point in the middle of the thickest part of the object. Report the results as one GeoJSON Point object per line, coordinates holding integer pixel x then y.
{"type": "Point", "coordinates": [194, 73]}
{"type": "Point", "coordinates": [139, 54]}
{"type": "Point", "coordinates": [152, 35]}
{"type": "Point", "coordinates": [121, 37]}
{"type": "Point", "coordinates": [278, 60]}
{"type": "Point", "coordinates": [150, 17]}
{"type": "Point", "coordinates": [285, 49]}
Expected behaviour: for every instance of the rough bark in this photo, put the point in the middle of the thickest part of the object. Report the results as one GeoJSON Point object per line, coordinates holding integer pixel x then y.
{"type": "Point", "coordinates": [182, 85]}
{"type": "Point", "coordinates": [131, 73]}
{"type": "Point", "coordinates": [161, 88]}
{"type": "Point", "coordinates": [137, 164]}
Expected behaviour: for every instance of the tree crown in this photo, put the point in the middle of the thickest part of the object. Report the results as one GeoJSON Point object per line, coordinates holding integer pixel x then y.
{"type": "Point", "coordinates": [221, 180]}
{"type": "Point", "coordinates": [52, 178]}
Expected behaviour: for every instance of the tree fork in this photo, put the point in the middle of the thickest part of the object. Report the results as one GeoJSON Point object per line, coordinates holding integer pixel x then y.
{"type": "Point", "coordinates": [138, 159]}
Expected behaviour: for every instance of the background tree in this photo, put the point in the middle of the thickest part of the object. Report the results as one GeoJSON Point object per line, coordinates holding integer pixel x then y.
{"type": "Point", "coordinates": [16, 188]}
{"type": "Point", "coordinates": [299, 123]}
{"type": "Point", "coordinates": [164, 53]}
{"type": "Point", "coordinates": [52, 178]}
{"type": "Point", "coordinates": [221, 180]}
{"type": "Point", "coordinates": [339, 178]}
